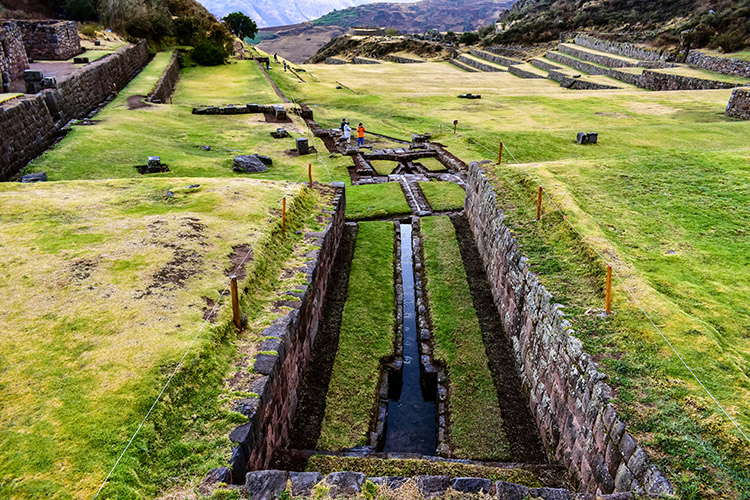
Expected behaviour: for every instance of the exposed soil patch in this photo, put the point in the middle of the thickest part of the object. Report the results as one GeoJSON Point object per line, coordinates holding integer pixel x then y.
{"type": "Point", "coordinates": [305, 429]}
{"type": "Point", "coordinates": [81, 269]}
{"type": "Point", "coordinates": [145, 169]}
{"type": "Point", "coordinates": [182, 266]}
{"type": "Point", "coordinates": [208, 310]}
{"type": "Point", "coordinates": [240, 257]}
{"type": "Point", "coordinates": [271, 118]}
{"type": "Point", "coordinates": [518, 424]}
{"type": "Point", "coordinates": [137, 102]}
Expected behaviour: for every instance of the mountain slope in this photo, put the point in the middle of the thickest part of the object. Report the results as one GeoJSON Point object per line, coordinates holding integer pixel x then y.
{"type": "Point", "coordinates": [719, 24]}
{"type": "Point", "coordinates": [280, 13]}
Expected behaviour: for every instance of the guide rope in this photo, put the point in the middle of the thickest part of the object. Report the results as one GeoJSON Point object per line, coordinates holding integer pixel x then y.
{"type": "Point", "coordinates": [271, 218]}
{"type": "Point", "coordinates": [617, 274]}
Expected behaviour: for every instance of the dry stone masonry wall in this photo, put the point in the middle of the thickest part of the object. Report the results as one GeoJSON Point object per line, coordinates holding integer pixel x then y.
{"type": "Point", "coordinates": [28, 126]}
{"type": "Point", "coordinates": [13, 60]}
{"type": "Point", "coordinates": [496, 58]}
{"type": "Point", "coordinates": [654, 80]}
{"type": "Point", "coordinates": [622, 49]}
{"type": "Point", "coordinates": [568, 396]}
{"type": "Point", "coordinates": [479, 64]}
{"type": "Point", "coordinates": [272, 412]}
{"type": "Point", "coordinates": [168, 80]}
{"type": "Point", "coordinates": [724, 65]}
{"type": "Point", "coordinates": [739, 104]}
{"type": "Point", "coordinates": [55, 40]}
{"type": "Point", "coordinates": [519, 71]}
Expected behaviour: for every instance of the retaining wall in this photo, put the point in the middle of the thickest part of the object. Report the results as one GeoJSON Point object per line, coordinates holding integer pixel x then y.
{"type": "Point", "coordinates": [488, 68]}
{"type": "Point", "coordinates": [30, 125]}
{"type": "Point", "coordinates": [585, 66]}
{"type": "Point", "coordinates": [567, 394]}
{"type": "Point", "coordinates": [569, 82]}
{"type": "Point", "coordinates": [462, 66]}
{"type": "Point", "coordinates": [55, 40]}
{"type": "Point", "coordinates": [13, 60]}
{"type": "Point", "coordinates": [336, 60]}
{"type": "Point", "coordinates": [542, 64]}
{"type": "Point", "coordinates": [364, 60]}
{"type": "Point", "coordinates": [611, 62]}
{"type": "Point", "coordinates": [519, 71]}
{"type": "Point", "coordinates": [402, 60]}
{"type": "Point", "coordinates": [739, 104]}
{"type": "Point", "coordinates": [292, 336]}
{"type": "Point", "coordinates": [496, 58]}
{"type": "Point", "coordinates": [653, 80]}
{"type": "Point", "coordinates": [623, 49]}
{"type": "Point", "coordinates": [168, 80]}
{"type": "Point", "coordinates": [724, 65]}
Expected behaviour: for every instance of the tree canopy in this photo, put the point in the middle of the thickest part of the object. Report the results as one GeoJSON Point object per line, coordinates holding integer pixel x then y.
{"type": "Point", "coordinates": [241, 25]}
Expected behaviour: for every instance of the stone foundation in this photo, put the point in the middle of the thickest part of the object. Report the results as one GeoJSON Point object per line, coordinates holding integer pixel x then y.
{"type": "Point", "coordinates": [13, 59]}
{"type": "Point", "coordinates": [739, 104]}
{"type": "Point", "coordinates": [272, 412]}
{"type": "Point", "coordinates": [52, 40]}
{"type": "Point", "coordinates": [567, 394]}
{"type": "Point", "coordinates": [30, 125]}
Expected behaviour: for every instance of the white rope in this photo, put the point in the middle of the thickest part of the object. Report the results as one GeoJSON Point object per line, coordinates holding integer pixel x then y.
{"type": "Point", "coordinates": [195, 338]}
{"type": "Point", "coordinates": [622, 282]}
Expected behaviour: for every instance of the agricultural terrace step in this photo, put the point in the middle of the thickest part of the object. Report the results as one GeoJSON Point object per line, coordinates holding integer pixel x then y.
{"type": "Point", "coordinates": [495, 58]}
{"type": "Point", "coordinates": [481, 64]}
{"type": "Point", "coordinates": [595, 56]}
{"type": "Point", "coordinates": [526, 70]}
{"type": "Point", "coordinates": [545, 64]}
{"type": "Point", "coordinates": [463, 66]}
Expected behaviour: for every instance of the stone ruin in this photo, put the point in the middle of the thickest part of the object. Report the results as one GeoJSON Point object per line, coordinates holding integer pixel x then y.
{"type": "Point", "coordinates": [22, 41]}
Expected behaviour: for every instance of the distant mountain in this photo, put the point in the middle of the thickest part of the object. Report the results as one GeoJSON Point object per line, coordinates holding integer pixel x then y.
{"type": "Point", "coordinates": [441, 15]}
{"type": "Point", "coordinates": [280, 12]}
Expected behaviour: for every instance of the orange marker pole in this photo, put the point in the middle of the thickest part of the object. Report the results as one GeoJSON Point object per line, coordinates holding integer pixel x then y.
{"type": "Point", "coordinates": [283, 215]}
{"type": "Point", "coordinates": [235, 303]}
{"type": "Point", "coordinates": [500, 154]}
{"type": "Point", "coordinates": [608, 298]}
{"type": "Point", "coordinates": [539, 204]}
{"type": "Point", "coordinates": [309, 173]}
{"type": "Point", "coordinates": [114, 87]}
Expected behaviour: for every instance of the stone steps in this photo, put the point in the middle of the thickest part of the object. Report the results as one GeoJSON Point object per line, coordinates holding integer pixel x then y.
{"type": "Point", "coordinates": [463, 66]}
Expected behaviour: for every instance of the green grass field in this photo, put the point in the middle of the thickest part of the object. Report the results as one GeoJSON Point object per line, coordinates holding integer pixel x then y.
{"type": "Point", "coordinates": [475, 424]}
{"type": "Point", "coordinates": [367, 336]}
{"type": "Point", "coordinates": [443, 195]}
{"type": "Point", "coordinates": [375, 201]}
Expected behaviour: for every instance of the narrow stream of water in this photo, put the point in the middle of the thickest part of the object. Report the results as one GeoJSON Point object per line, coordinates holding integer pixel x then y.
{"type": "Point", "coordinates": [411, 417]}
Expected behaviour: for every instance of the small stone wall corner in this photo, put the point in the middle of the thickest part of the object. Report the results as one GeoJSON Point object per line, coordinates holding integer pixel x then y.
{"type": "Point", "coordinates": [739, 104]}
{"type": "Point", "coordinates": [568, 395]}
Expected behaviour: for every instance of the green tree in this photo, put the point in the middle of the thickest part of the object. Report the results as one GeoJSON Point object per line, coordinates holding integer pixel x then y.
{"type": "Point", "coordinates": [241, 25]}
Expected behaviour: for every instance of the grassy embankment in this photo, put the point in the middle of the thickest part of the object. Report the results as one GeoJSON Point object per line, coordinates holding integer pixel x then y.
{"type": "Point", "coordinates": [118, 274]}
{"type": "Point", "coordinates": [667, 176]}
{"type": "Point", "coordinates": [367, 336]}
{"type": "Point", "coordinates": [475, 424]}
{"type": "Point", "coordinates": [443, 195]}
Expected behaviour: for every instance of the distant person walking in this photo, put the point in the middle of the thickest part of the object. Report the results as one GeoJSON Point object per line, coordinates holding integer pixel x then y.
{"type": "Point", "coordinates": [275, 58]}
{"type": "Point", "coordinates": [347, 133]}
{"type": "Point", "coordinates": [360, 135]}
{"type": "Point", "coordinates": [285, 66]}
{"type": "Point", "coordinates": [343, 122]}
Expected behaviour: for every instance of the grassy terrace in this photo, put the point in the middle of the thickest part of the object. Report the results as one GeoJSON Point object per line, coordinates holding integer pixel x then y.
{"type": "Point", "coordinates": [443, 195]}
{"type": "Point", "coordinates": [475, 425]}
{"type": "Point", "coordinates": [660, 154]}
{"type": "Point", "coordinates": [375, 201]}
{"type": "Point", "coordinates": [119, 275]}
{"type": "Point", "coordinates": [367, 336]}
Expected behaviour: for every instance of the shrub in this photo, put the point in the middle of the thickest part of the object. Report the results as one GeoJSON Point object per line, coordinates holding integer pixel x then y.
{"type": "Point", "coordinates": [391, 32]}
{"type": "Point", "coordinates": [80, 10]}
{"type": "Point", "coordinates": [469, 37]}
{"type": "Point", "coordinates": [208, 54]}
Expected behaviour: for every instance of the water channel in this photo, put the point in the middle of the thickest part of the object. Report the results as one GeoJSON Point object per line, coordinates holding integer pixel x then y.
{"type": "Point", "coordinates": [411, 411]}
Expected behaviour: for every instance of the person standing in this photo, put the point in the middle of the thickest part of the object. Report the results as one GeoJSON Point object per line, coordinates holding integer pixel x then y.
{"type": "Point", "coordinates": [360, 135]}
{"type": "Point", "coordinates": [347, 133]}
{"type": "Point", "coordinates": [285, 66]}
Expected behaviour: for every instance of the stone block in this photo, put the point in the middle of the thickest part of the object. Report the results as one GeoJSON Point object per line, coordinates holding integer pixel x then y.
{"type": "Point", "coordinates": [623, 478]}
{"type": "Point", "coordinates": [304, 482]}
{"type": "Point", "coordinates": [393, 482]}
{"type": "Point", "coordinates": [345, 484]}
{"type": "Point", "coordinates": [214, 477]}
{"type": "Point", "coordinates": [627, 446]}
{"type": "Point", "coordinates": [80, 60]}
{"type": "Point", "coordinates": [238, 463]}
{"type": "Point", "coordinates": [248, 164]}
{"type": "Point", "coordinates": [656, 484]}
{"type": "Point", "coordinates": [550, 493]}
{"type": "Point", "coordinates": [433, 486]}
{"type": "Point", "coordinates": [510, 491]}
{"type": "Point", "coordinates": [601, 474]}
{"type": "Point", "coordinates": [303, 148]}
{"type": "Point", "coordinates": [638, 462]}
{"type": "Point", "coordinates": [35, 177]}
{"type": "Point", "coordinates": [33, 75]}
{"type": "Point", "coordinates": [244, 435]}
{"type": "Point", "coordinates": [471, 485]}
{"type": "Point", "coordinates": [265, 484]}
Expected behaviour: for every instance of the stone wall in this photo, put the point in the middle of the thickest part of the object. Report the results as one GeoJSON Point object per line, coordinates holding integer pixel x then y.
{"type": "Point", "coordinates": [365, 60]}
{"type": "Point", "coordinates": [55, 40]}
{"type": "Point", "coordinates": [739, 104]}
{"type": "Point", "coordinates": [488, 68]}
{"type": "Point", "coordinates": [585, 66]}
{"type": "Point", "coordinates": [568, 395]}
{"type": "Point", "coordinates": [13, 60]}
{"type": "Point", "coordinates": [495, 58]}
{"type": "Point", "coordinates": [622, 49]}
{"type": "Point", "coordinates": [30, 125]}
{"type": "Point", "coordinates": [168, 80]}
{"type": "Point", "coordinates": [653, 80]}
{"type": "Point", "coordinates": [544, 65]}
{"type": "Point", "coordinates": [336, 60]}
{"type": "Point", "coordinates": [402, 60]}
{"type": "Point", "coordinates": [292, 336]}
{"type": "Point", "coordinates": [569, 82]}
{"type": "Point", "coordinates": [724, 65]}
{"type": "Point", "coordinates": [610, 62]}
{"type": "Point", "coordinates": [519, 71]}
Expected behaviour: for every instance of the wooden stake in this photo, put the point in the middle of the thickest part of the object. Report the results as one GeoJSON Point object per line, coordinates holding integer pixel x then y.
{"type": "Point", "coordinates": [170, 99]}
{"type": "Point", "coordinates": [539, 204]}
{"type": "Point", "coordinates": [608, 299]}
{"type": "Point", "coordinates": [235, 303]}
{"type": "Point", "coordinates": [455, 124]}
{"type": "Point", "coordinates": [283, 215]}
{"type": "Point", "coordinates": [500, 154]}
{"type": "Point", "coordinates": [309, 173]}
{"type": "Point", "coordinates": [114, 87]}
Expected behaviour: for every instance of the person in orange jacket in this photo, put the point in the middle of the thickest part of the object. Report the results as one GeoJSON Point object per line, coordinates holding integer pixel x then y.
{"type": "Point", "coordinates": [360, 135]}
